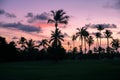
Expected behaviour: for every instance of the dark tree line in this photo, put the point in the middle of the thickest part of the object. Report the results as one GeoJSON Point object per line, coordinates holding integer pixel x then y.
{"type": "Point", "coordinates": [53, 49]}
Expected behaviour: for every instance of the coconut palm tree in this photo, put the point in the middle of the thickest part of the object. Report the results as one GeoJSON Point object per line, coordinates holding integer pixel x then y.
{"type": "Point", "coordinates": [22, 41]}
{"type": "Point", "coordinates": [85, 35]}
{"type": "Point", "coordinates": [108, 34]}
{"type": "Point", "coordinates": [30, 44]}
{"type": "Point", "coordinates": [69, 46]}
{"type": "Point", "coordinates": [80, 34]}
{"type": "Point", "coordinates": [115, 44]}
{"type": "Point", "coordinates": [98, 35]}
{"type": "Point", "coordinates": [44, 43]}
{"type": "Point", "coordinates": [73, 39]}
{"type": "Point", "coordinates": [56, 38]}
{"type": "Point", "coordinates": [100, 28]}
{"type": "Point", "coordinates": [59, 17]}
{"type": "Point", "coordinates": [90, 41]}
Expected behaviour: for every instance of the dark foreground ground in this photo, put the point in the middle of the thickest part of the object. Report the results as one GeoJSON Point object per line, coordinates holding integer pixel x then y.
{"type": "Point", "coordinates": [63, 70]}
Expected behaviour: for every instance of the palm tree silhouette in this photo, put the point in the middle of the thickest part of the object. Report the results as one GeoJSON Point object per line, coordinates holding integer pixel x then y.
{"type": "Point", "coordinates": [115, 44]}
{"type": "Point", "coordinates": [82, 34]}
{"type": "Point", "coordinates": [69, 46]}
{"type": "Point", "coordinates": [98, 35]}
{"type": "Point", "coordinates": [56, 38]}
{"type": "Point", "coordinates": [85, 35]}
{"type": "Point", "coordinates": [59, 17]}
{"type": "Point", "coordinates": [90, 41]}
{"type": "Point", "coordinates": [44, 43]}
{"type": "Point", "coordinates": [22, 41]}
{"type": "Point", "coordinates": [100, 28]}
{"type": "Point", "coordinates": [79, 35]}
{"type": "Point", "coordinates": [30, 44]}
{"type": "Point", "coordinates": [108, 34]}
{"type": "Point", "coordinates": [73, 39]}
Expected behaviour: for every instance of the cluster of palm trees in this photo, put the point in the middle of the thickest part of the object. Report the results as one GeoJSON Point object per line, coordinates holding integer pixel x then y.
{"type": "Point", "coordinates": [84, 36]}
{"type": "Point", "coordinates": [54, 45]}
{"type": "Point", "coordinates": [60, 17]}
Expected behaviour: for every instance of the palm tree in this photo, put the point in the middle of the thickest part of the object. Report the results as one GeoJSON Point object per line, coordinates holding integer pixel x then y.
{"type": "Point", "coordinates": [98, 35]}
{"type": "Point", "coordinates": [69, 47]}
{"type": "Point", "coordinates": [100, 28]}
{"type": "Point", "coordinates": [90, 41]}
{"type": "Point", "coordinates": [108, 34]}
{"type": "Point", "coordinates": [22, 41]}
{"type": "Point", "coordinates": [115, 44]}
{"type": "Point", "coordinates": [59, 17]}
{"type": "Point", "coordinates": [56, 38]}
{"type": "Point", "coordinates": [73, 39]}
{"type": "Point", "coordinates": [79, 35]}
{"type": "Point", "coordinates": [44, 43]}
{"type": "Point", "coordinates": [30, 44]}
{"type": "Point", "coordinates": [85, 35]}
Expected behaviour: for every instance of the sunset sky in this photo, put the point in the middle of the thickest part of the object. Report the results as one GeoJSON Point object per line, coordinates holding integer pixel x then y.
{"type": "Point", "coordinates": [28, 18]}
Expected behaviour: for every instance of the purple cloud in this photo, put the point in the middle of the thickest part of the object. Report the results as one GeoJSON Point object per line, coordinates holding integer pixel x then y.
{"type": "Point", "coordinates": [2, 12]}
{"type": "Point", "coordinates": [103, 25]}
{"type": "Point", "coordinates": [39, 17]}
{"type": "Point", "coordinates": [114, 4]}
{"type": "Point", "coordinates": [9, 15]}
{"type": "Point", "coordinates": [20, 26]}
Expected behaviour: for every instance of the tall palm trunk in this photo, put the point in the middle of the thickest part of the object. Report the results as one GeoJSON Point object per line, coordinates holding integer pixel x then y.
{"type": "Point", "coordinates": [107, 42]}
{"type": "Point", "coordinates": [56, 25]}
{"type": "Point", "coordinates": [56, 29]}
{"type": "Point", "coordinates": [55, 43]}
{"type": "Point", "coordinates": [73, 44]}
{"type": "Point", "coordinates": [97, 43]}
{"type": "Point", "coordinates": [81, 44]}
{"type": "Point", "coordinates": [107, 45]}
{"type": "Point", "coordinates": [100, 39]}
{"type": "Point", "coordinates": [85, 45]}
{"type": "Point", "coordinates": [89, 47]}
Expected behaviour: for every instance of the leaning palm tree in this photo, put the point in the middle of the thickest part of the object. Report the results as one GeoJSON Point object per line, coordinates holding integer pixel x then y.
{"type": "Point", "coordinates": [100, 28]}
{"type": "Point", "coordinates": [115, 44]}
{"type": "Point", "coordinates": [59, 17]}
{"type": "Point", "coordinates": [90, 41]}
{"type": "Point", "coordinates": [108, 34]}
{"type": "Point", "coordinates": [56, 38]}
